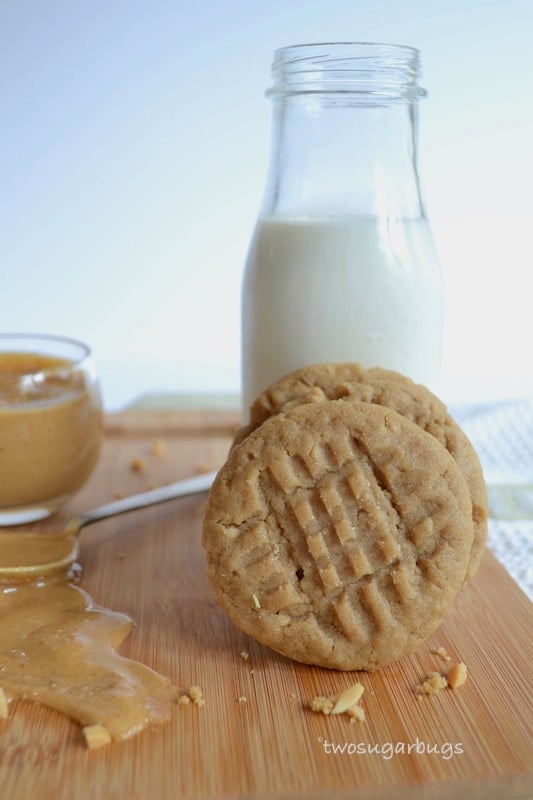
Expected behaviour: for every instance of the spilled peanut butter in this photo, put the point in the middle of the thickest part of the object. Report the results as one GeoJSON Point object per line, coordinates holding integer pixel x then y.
{"type": "Point", "coordinates": [60, 649]}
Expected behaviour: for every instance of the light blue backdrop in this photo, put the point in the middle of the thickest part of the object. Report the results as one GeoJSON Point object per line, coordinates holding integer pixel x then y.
{"type": "Point", "coordinates": [133, 150]}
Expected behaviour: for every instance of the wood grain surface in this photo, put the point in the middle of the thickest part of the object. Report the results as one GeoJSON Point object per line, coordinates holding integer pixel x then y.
{"type": "Point", "coordinates": [255, 736]}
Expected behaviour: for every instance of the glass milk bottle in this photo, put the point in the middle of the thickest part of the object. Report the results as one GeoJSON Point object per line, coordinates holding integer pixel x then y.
{"type": "Point", "coordinates": [341, 266]}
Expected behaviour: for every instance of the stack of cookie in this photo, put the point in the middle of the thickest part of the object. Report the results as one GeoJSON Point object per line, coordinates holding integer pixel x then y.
{"type": "Point", "coordinates": [348, 515]}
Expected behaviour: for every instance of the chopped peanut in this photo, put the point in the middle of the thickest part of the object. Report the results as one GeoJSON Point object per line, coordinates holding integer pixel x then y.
{"type": "Point", "coordinates": [457, 675]}
{"type": "Point", "coordinates": [348, 698]}
{"type": "Point", "coordinates": [3, 704]}
{"type": "Point", "coordinates": [96, 736]}
{"type": "Point", "coordinates": [346, 702]}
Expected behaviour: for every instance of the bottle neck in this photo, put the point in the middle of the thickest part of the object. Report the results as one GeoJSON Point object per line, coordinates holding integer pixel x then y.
{"type": "Point", "coordinates": [340, 158]}
{"type": "Point", "coordinates": [344, 132]}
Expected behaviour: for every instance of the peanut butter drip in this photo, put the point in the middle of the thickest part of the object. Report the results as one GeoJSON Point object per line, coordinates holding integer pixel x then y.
{"type": "Point", "coordinates": [34, 548]}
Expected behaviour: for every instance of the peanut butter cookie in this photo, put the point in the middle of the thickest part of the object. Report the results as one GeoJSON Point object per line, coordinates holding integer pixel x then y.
{"type": "Point", "coordinates": [338, 534]}
{"type": "Point", "coordinates": [387, 388]}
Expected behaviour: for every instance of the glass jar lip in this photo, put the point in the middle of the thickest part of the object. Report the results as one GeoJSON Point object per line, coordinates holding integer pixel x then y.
{"type": "Point", "coordinates": [72, 350]}
{"type": "Point", "coordinates": [359, 68]}
{"type": "Point", "coordinates": [382, 46]}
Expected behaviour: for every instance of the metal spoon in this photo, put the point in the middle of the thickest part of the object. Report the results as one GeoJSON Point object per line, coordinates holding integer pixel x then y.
{"type": "Point", "coordinates": [70, 534]}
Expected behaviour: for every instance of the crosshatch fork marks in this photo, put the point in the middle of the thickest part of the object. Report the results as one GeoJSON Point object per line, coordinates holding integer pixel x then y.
{"type": "Point", "coordinates": [341, 530]}
{"type": "Point", "coordinates": [346, 519]}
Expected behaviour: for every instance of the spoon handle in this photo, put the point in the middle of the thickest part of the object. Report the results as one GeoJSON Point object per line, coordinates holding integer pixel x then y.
{"type": "Point", "coordinates": [183, 488]}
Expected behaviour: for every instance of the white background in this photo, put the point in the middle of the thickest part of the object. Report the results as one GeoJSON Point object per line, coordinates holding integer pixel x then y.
{"type": "Point", "coordinates": [134, 140]}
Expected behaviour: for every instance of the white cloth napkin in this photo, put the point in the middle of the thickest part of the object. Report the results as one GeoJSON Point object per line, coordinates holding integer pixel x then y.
{"type": "Point", "coordinates": [502, 434]}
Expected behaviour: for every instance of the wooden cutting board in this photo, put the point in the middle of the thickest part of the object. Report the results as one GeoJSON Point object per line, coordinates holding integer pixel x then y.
{"type": "Point", "coordinates": [255, 736]}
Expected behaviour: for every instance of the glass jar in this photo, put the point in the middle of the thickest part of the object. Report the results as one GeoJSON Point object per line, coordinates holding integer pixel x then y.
{"type": "Point", "coordinates": [51, 423]}
{"type": "Point", "coordinates": [342, 266]}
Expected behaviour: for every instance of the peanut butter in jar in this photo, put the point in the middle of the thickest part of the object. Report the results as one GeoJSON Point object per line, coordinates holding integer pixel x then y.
{"type": "Point", "coordinates": [50, 424]}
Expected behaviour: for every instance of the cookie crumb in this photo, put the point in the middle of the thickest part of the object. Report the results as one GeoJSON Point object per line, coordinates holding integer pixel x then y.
{"type": "Point", "coordinates": [441, 652]}
{"type": "Point", "coordinates": [321, 704]}
{"type": "Point", "coordinates": [346, 702]}
{"type": "Point", "coordinates": [356, 714]}
{"type": "Point", "coordinates": [159, 447]}
{"type": "Point", "coordinates": [457, 675]}
{"type": "Point", "coordinates": [432, 684]}
{"type": "Point", "coordinates": [96, 736]}
{"type": "Point", "coordinates": [137, 465]}
{"type": "Point", "coordinates": [196, 695]}
{"type": "Point", "coordinates": [243, 699]}
{"type": "Point", "coordinates": [4, 711]}
{"type": "Point", "coordinates": [245, 655]}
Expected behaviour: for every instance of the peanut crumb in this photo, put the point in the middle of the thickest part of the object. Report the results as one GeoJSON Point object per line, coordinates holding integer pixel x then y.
{"type": "Point", "coordinates": [346, 702]}
{"type": "Point", "coordinates": [96, 736]}
{"type": "Point", "coordinates": [457, 675]}
{"type": "Point", "coordinates": [245, 655]}
{"type": "Point", "coordinates": [432, 684]}
{"type": "Point", "coordinates": [243, 699]}
{"type": "Point", "coordinates": [137, 465]}
{"type": "Point", "coordinates": [121, 556]}
{"type": "Point", "coordinates": [255, 598]}
{"type": "Point", "coordinates": [184, 700]}
{"type": "Point", "coordinates": [4, 711]}
{"type": "Point", "coordinates": [159, 447]}
{"type": "Point", "coordinates": [441, 652]}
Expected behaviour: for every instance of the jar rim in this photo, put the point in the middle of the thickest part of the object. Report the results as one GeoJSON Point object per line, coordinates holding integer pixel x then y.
{"type": "Point", "coordinates": [392, 46]}
{"type": "Point", "coordinates": [361, 68]}
{"type": "Point", "coordinates": [55, 345]}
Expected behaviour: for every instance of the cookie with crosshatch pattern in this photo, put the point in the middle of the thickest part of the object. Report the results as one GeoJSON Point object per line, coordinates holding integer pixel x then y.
{"type": "Point", "coordinates": [338, 534]}
{"type": "Point", "coordinates": [352, 381]}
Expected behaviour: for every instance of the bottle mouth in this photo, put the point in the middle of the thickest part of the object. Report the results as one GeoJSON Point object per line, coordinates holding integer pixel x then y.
{"type": "Point", "coordinates": [368, 69]}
